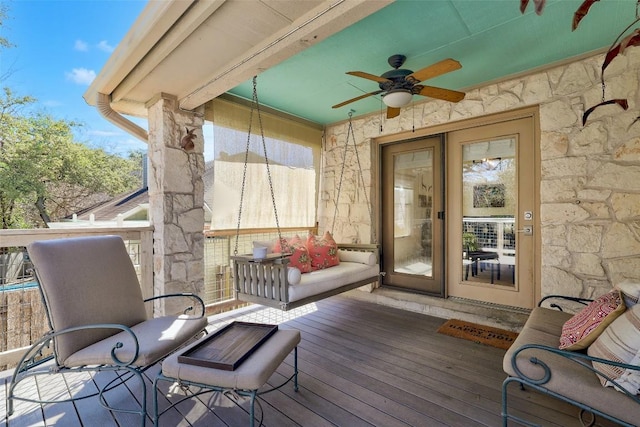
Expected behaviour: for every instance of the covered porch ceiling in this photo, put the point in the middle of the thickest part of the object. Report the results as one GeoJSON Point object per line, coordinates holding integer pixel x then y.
{"type": "Point", "coordinates": [301, 50]}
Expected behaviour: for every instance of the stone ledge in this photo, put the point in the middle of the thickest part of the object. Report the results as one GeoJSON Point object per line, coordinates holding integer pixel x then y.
{"type": "Point", "coordinates": [510, 318]}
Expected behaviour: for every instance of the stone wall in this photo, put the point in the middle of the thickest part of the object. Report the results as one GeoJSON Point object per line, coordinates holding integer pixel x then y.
{"type": "Point", "coordinates": [590, 175]}
{"type": "Point", "coordinates": [176, 199]}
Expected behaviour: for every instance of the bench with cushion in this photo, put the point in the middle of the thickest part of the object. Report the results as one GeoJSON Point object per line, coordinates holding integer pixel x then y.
{"type": "Point", "coordinates": [312, 272]}
{"type": "Point", "coordinates": [592, 371]}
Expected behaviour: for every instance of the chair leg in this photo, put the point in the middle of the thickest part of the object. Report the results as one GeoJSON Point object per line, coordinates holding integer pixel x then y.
{"type": "Point", "coordinates": [295, 367]}
{"type": "Point", "coordinates": [252, 412]}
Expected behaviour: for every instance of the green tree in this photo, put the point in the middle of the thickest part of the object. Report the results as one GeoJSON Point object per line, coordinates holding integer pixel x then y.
{"type": "Point", "coordinates": [45, 175]}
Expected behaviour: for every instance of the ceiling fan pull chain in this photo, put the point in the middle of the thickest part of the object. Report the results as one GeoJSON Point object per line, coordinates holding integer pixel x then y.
{"type": "Point", "coordinates": [413, 117]}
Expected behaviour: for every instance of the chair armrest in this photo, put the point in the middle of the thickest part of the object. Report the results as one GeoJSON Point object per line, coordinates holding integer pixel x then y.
{"type": "Point", "coordinates": [34, 356]}
{"type": "Point", "coordinates": [581, 359]}
{"type": "Point", "coordinates": [583, 301]}
{"type": "Point", "coordinates": [189, 308]}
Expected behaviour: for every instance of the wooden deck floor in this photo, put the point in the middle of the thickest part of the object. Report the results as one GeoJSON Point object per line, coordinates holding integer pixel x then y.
{"type": "Point", "coordinates": [360, 364]}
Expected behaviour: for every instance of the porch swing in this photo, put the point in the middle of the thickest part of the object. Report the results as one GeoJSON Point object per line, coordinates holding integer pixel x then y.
{"type": "Point", "coordinates": [269, 280]}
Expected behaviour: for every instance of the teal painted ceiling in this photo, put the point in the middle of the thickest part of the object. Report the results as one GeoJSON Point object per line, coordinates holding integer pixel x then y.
{"type": "Point", "coordinates": [490, 38]}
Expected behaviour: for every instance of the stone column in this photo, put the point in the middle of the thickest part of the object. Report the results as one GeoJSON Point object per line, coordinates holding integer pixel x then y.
{"type": "Point", "coordinates": [176, 197]}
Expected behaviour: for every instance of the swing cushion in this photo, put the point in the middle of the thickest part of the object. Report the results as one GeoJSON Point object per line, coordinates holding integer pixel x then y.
{"type": "Point", "coordinates": [323, 251]}
{"type": "Point", "coordinates": [299, 254]}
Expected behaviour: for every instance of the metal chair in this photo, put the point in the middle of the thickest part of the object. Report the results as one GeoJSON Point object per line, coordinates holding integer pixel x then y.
{"type": "Point", "coordinates": [98, 319]}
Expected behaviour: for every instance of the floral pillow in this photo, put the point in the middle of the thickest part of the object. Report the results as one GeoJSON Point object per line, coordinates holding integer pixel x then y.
{"type": "Point", "coordinates": [322, 251]}
{"type": "Point", "coordinates": [299, 254]}
{"type": "Point", "coordinates": [586, 325]}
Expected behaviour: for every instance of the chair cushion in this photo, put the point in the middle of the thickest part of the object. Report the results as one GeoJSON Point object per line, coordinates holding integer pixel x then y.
{"type": "Point", "coordinates": [157, 338]}
{"type": "Point", "coordinates": [252, 374]}
{"type": "Point", "coordinates": [87, 280]}
{"type": "Point", "coordinates": [586, 325]}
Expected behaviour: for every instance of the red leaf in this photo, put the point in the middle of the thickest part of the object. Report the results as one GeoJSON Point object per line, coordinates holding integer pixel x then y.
{"type": "Point", "coordinates": [632, 40]}
{"type": "Point", "coordinates": [581, 12]}
{"type": "Point", "coordinates": [621, 102]}
{"type": "Point", "coordinates": [539, 5]}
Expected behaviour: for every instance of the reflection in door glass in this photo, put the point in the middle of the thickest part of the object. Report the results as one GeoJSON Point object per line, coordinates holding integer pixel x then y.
{"type": "Point", "coordinates": [488, 212]}
{"type": "Point", "coordinates": [413, 212]}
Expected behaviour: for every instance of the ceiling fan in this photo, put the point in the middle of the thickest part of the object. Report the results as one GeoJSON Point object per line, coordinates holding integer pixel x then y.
{"type": "Point", "coordinates": [399, 85]}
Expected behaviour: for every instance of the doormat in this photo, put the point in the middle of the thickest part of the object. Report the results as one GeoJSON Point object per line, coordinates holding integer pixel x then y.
{"type": "Point", "coordinates": [494, 337]}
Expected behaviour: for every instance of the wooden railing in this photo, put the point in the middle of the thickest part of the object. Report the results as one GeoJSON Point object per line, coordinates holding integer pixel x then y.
{"type": "Point", "coordinates": [22, 315]}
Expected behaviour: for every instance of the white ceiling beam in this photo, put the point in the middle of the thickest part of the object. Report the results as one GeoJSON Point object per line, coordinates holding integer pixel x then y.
{"type": "Point", "coordinates": [154, 21]}
{"type": "Point", "coordinates": [181, 30]}
{"type": "Point", "coordinates": [328, 18]}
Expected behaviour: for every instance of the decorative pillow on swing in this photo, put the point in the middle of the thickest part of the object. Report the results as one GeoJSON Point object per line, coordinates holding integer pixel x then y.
{"type": "Point", "coordinates": [322, 251]}
{"type": "Point", "coordinates": [299, 254]}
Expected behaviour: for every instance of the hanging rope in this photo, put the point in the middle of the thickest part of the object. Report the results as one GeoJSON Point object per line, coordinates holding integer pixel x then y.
{"type": "Point", "coordinates": [255, 105]}
{"type": "Point", "coordinates": [361, 178]}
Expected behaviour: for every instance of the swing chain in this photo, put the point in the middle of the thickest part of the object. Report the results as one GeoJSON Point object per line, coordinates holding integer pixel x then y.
{"type": "Point", "coordinates": [255, 104]}
{"type": "Point", "coordinates": [344, 161]}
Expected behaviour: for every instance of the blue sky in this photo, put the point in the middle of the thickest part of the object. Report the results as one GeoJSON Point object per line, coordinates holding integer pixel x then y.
{"type": "Point", "coordinates": [59, 47]}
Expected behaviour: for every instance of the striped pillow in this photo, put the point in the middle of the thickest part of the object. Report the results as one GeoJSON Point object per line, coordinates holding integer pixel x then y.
{"type": "Point", "coordinates": [620, 342]}
{"type": "Point", "coordinates": [630, 292]}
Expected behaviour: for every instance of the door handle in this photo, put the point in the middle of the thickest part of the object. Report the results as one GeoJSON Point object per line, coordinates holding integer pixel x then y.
{"type": "Point", "coordinates": [527, 230]}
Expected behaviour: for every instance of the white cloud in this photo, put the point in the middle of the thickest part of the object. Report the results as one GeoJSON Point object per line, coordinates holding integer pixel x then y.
{"type": "Point", "coordinates": [81, 46]}
{"type": "Point", "coordinates": [104, 133]}
{"type": "Point", "coordinates": [105, 46]}
{"type": "Point", "coordinates": [81, 76]}
{"type": "Point", "coordinates": [52, 103]}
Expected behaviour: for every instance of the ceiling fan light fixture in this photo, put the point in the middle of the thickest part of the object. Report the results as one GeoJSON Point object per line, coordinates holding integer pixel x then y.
{"type": "Point", "coordinates": [397, 98]}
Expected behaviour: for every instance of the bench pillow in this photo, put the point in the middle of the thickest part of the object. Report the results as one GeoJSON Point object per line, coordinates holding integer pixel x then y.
{"type": "Point", "coordinates": [630, 291]}
{"type": "Point", "coordinates": [620, 342]}
{"type": "Point", "coordinates": [299, 254]}
{"type": "Point", "coordinates": [293, 276]}
{"type": "Point", "coordinates": [323, 251]}
{"type": "Point", "coordinates": [361, 257]}
{"type": "Point", "coordinates": [585, 326]}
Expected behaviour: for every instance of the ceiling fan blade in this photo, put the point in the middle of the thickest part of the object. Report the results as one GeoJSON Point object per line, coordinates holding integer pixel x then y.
{"type": "Point", "coordinates": [434, 70]}
{"type": "Point", "coordinates": [444, 94]}
{"type": "Point", "coordinates": [392, 112]}
{"type": "Point", "coordinates": [357, 98]}
{"type": "Point", "coordinates": [368, 76]}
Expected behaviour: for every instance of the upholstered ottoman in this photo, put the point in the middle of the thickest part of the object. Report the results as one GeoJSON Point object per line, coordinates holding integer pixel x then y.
{"type": "Point", "coordinates": [245, 380]}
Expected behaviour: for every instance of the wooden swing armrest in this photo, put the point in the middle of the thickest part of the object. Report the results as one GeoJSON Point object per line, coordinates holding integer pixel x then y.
{"type": "Point", "coordinates": [269, 259]}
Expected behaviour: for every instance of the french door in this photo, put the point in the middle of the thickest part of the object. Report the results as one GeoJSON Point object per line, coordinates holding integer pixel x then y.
{"type": "Point", "coordinates": [491, 213]}
{"type": "Point", "coordinates": [478, 242]}
{"type": "Point", "coordinates": [412, 225]}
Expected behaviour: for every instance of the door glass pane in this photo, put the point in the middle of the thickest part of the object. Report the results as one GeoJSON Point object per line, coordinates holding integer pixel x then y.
{"type": "Point", "coordinates": [413, 212]}
{"type": "Point", "coordinates": [488, 212]}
